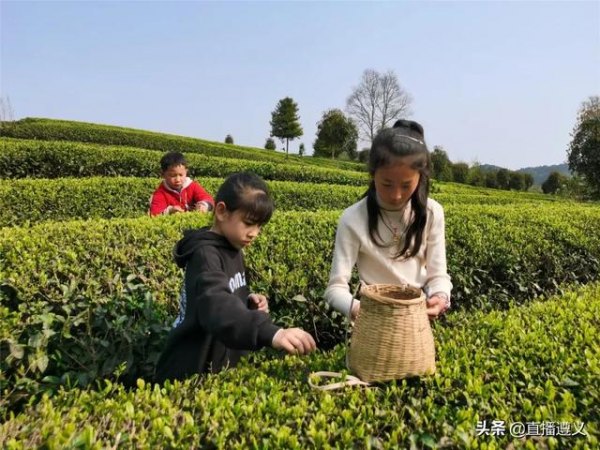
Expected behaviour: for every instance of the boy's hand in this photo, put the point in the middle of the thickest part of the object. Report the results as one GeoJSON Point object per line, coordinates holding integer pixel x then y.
{"type": "Point", "coordinates": [176, 209]}
{"type": "Point", "coordinates": [294, 341]}
{"type": "Point", "coordinates": [259, 302]}
{"type": "Point", "coordinates": [201, 206]}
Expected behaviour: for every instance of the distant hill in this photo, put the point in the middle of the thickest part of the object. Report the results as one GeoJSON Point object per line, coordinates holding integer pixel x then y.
{"type": "Point", "coordinates": [540, 173]}
{"type": "Point", "coordinates": [490, 167]}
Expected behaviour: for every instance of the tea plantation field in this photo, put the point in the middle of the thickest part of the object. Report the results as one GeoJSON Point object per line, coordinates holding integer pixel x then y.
{"type": "Point", "coordinates": [88, 292]}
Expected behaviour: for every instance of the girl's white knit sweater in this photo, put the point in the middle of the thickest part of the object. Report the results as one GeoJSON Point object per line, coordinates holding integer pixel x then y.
{"type": "Point", "coordinates": [353, 246]}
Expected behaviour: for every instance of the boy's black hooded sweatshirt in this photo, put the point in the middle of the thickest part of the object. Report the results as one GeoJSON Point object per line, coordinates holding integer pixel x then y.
{"type": "Point", "coordinates": [215, 326]}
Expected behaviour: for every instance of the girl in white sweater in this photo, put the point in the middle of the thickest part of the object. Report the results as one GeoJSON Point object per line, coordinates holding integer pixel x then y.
{"type": "Point", "coordinates": [395, 233]}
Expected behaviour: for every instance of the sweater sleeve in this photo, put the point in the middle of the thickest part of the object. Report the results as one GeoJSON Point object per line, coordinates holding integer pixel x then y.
{"type": "Point", "coordinates": [345, 254]}
{"type": "Point", "coordinates": [438, 279]}
{"type": "Point", "coordinates": [222, 313]}
{"type": "Point", "coordinates": [199, 194]}
{"type": "Point", "coordinates": [158, 203]}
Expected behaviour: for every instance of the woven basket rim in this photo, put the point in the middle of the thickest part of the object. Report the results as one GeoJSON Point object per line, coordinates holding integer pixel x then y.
{"type": "Point", "coordinates": [371, 291]}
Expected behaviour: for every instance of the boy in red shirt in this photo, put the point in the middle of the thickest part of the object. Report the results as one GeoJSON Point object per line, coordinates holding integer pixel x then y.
{"type": "Point", "coordinates": [178, 192]}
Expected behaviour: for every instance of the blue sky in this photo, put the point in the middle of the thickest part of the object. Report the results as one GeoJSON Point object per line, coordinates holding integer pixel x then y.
{"type": "Point", "coordinates": [493, 82]}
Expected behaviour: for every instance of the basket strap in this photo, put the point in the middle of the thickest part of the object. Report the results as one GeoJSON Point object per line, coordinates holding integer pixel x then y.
{"type": "Point", "coordinates": [349, 380]}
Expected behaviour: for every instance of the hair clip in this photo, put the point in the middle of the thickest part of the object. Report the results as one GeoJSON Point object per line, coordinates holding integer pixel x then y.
{"type": "Point", "coordinates": [412, 138]}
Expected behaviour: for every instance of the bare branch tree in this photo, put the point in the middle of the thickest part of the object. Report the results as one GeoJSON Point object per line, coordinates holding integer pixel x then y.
{"type": "Point", "coordinates": [6, 110]}
{"type": "Point", "coordinates": [395, 101]}
{"type": "Point", "coordinates": [377, 102]}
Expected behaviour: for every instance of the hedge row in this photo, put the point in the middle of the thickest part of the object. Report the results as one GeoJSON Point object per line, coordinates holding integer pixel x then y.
{"type": "Point", "coordinates": [108, 197]}
{"type": "Point", "coordinates": [495, 255]}
{"type": "Point", "coordinates": [537, 365]}
{"type": "Point", "coordinates": [58, 159]}
{"type": "Point", "coordinates": [36, 200]}
{"type": "Point", "coordinates": [79, 298]}
{"type": "Point", "coordinates": [64, 130]}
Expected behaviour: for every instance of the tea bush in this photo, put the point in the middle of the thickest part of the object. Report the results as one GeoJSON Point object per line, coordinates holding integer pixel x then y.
{"type": "Point", "coordinates": [34, 200]}
{"type": "Point", "coordinates": [536, 364]}
{"type": "Point", "coordinates": [61, 278]}
{"type": "Point", "coordinates": [65, 130]}
{"type": "Point", "coordinates": [58, 159]}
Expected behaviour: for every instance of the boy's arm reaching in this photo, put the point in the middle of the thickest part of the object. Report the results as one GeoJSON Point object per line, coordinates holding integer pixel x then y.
{"type": "Point", "coordinates": [201, 196]}
{"type": "Point", "coordinates": [158, 204]}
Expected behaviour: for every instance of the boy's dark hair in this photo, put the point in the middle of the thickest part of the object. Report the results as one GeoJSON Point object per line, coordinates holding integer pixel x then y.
{"type": "Point", "coordinates": [172, 159]}
{"type": "Point", "coordinates": [247, 192]}
{"type": "Point", "coordinates": [405, 138]}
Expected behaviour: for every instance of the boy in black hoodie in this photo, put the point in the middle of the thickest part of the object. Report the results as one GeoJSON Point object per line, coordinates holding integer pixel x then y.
{"type": "Point", "coordinates": [219, 319]}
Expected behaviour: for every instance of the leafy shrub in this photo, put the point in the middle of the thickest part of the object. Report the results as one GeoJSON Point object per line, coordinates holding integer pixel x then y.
{"type": "Point", "coordinates": [35, 200]}
{"type": "Point", "coordinates": [270, 144]}
{"type": "Point", "coordinates": [65, 130]}
{"type": "Point", "coordinates": [534, 364]}
{"type": "Point", "coordinates": [58, 159]}
{"type": "Point", "coordinates": [495, 255]}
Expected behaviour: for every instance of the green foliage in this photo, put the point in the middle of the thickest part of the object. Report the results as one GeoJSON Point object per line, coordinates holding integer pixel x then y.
{"type": "Point", "coordinates": [285, 122]}
{"type": "Point", "coordinates": [77, 339]}
{"type": "Point", "coordinates": [490, 180]}
{"type": "Point", "coordinates": [63, 130]}
{"type": "Point", "coordinates": [584, 150]}
{"type": "Point", "coordinates": [554, 182]}
{"type": "Point", "coordinates": [55, 159]}
{"type": "Point", "coordinates": [460, 172]}
{"type": "Point", "coordinates": [527, 181]}
{"type": "Point", "coordinates": [36, 200]}
{"type": "Point", "coordinates": [516, 181]}
{"type": "Point", "coordinates": [440, 164]}
{"type": "Point", "coordinates": [476, 176]}
{"type": "Point", "coordinates": [270, 144]}
{"type": "Point", "coordinates": [336, 134]}
{"type": "Point", "coordinates": [31, 200]}
{"type": "Point", "coordinates": [85, 307]}
{"type": "Point", "coordinates": [503, 179]}
{"type": "Point", "coordinates": [532, 364]}
{"type": "Point", "coordinates": [487, 268]}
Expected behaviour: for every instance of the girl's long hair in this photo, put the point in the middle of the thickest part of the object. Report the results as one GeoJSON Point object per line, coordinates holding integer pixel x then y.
{"type": "Point", "coordinates": [406, 138]}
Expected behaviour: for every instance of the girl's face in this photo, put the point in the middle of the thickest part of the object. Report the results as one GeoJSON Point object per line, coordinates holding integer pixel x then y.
{"type": "Point", "coordinates": [395, 183]}
{"type": "Point", "coordinates": [238, 230]}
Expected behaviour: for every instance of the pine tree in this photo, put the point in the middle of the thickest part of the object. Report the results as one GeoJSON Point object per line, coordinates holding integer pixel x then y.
{"type": "Point", "coordinates": [285, 123]}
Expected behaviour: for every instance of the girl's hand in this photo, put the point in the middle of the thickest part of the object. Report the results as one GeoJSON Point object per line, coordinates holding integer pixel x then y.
{"type": "Point", "coordinates": [436, 305]}
{"type": "Point", "coordinates": [355, 310]}
{"type": "Point", "coordinates": [176, 209]}
{"type": "Point", "coordinates": [294, 341]}
{"type": "Point", "coordinates": [259, 302]}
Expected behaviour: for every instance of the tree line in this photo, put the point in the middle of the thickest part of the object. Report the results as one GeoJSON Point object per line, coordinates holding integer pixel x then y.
{"type": "Point", "coordinates": [460, 172]}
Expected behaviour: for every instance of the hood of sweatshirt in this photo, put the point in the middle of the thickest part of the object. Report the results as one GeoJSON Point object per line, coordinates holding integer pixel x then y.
{"type": "Point", "coordinates": [192, 239]}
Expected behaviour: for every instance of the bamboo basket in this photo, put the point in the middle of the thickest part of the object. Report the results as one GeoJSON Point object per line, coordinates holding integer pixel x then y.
{"type": "Point", "coordinates": [392, 338]}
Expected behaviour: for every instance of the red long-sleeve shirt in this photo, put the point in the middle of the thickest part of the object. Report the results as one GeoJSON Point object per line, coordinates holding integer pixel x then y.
{"type": "Point", "coordinates": [191, 193]}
